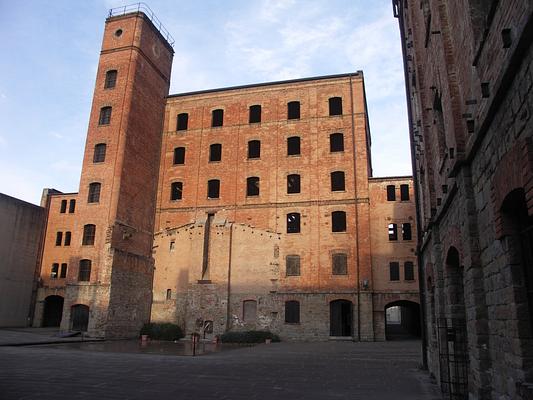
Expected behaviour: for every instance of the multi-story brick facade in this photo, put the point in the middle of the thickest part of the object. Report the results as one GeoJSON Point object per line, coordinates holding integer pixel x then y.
{"type": "Point", "coordinates": [258, 201]}
{"type": "Point", "coordinates": [469, 74]}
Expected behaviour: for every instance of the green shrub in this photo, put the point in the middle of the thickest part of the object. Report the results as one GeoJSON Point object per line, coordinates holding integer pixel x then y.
{"type": "Point", "coordinates": [162, 331]}
{"type": "Point", "coordinates": [248, 337]}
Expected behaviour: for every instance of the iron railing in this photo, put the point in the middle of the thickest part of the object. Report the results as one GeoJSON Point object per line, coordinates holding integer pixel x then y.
{"type": "Point", "coordinates": [142, 7]}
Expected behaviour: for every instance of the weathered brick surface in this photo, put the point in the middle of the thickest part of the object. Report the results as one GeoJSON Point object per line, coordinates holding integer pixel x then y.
{"type": "Point", "coordinates": [484, 86]}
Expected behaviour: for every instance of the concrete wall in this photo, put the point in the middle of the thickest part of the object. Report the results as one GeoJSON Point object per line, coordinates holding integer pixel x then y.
{"type": "Point", "coordinates": [21, 230]}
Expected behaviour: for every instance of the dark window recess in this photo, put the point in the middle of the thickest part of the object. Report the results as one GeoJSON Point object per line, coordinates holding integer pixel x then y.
{"type": "Point", "coordinates": [182, 123]}
{"type": "Point", "coordinates": [406, 231]}
{"type": "Point", "coordinates": [169, 294]}
{"type": "Point", "coordinates": [249, 310]}
{"type": "Point", "coordinates": [409, 271]}
{"type": "Point", "coordinates": [176, 190]}
{"type": "Point", "coordinates": [213, 189]}
{"type": "Point", "coordinates": [84, 274]}
{"type": "Point", "coordinates": [254, 149]}
{"type": "Point", "coordinates": [89, 232]}
{"type": "Point", "coordinates": [293, 223]}
{"type": "Point", "coordinates": [110, 79]}
{"type": "Point", "coordinates": [336, 142]}
{"type": "Point", "coordinates": [255, 114]}
{"type": "Point", "coordinates": [394, 271]}
{"type": "Point", "coordinates": [99, 153]}
{"type": "Point", "coordinates": [179, 155]}
{"type": "Point", "coordinates": [63, 208]}
{"type": "Point", "coordinates": [292, 312]}
{"type": "Point", "coordinates": [252, 186]}
{"type": "Point", "coordinates": [337, 181]}
{"type": "Point", "coordinates": [72, 206]}
{"type": "Point", "coordinates": [68, 237]}
{"type": "Point", "coordinates": [293, 183]}
{"type": "Point", "coordinates": [293, 146]}
{"type": "Point", "coordinates": [54, 271]}
{"type": "Point", "coordinates": [293, 110]}
{"type": "Point", "coordinates": [404, 192]}
{"type": "Point", "coordinates": [335, 106]}
{"type": "Point", "coordinates": [292, 265]}
{"type": "Point", "coordinates": [215, 152]}
{"type": "Point", "coordinates": [94, 192]}
{"type": "Point", "coordinates": [339, 263]}
{"type": "Point", "coordinates": [105, 116]}
{"type": "Point", "coordinates": [391, 193]}
{"type": "Point", "coordinates": [338, 221]}
{"type": "Point", "coordinates": [63, 273]}
{"type": "Point", "coordinates": [217, 118]}
{"type": "Point", "coordinates": [59, 238]}
{"type": "Point", "coordinates": [393, 232]}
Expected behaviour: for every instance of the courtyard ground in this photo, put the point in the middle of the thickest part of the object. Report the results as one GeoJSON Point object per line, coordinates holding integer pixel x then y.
{"type": "Point", "coordinates": [323, 370]}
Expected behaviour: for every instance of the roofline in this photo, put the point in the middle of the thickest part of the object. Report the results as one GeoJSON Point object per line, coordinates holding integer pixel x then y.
{"type": "Point", "coordinates": [390, 178]}
{"type": "Point", "coordinates": [314, 78]}
{"type": "Point", "coordinates": [63, 194]}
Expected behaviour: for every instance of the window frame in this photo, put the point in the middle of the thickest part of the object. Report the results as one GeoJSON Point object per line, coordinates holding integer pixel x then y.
{"type": "Point", "coordinates": [407, 232]}
{"type": "Point", "coordinates": [335, 106]}
{"type": "Point", "coordinates": [94, 192]}
{"type": "Point", "coordinates": [394, 271]}
{"type": "Point", "coordinates": [295, 269]}
{"type": "Point", "coordinates": [110, 80]}
{"type": "Point", "coordinates": [336, 142]}
{"type": "Point", "coordinates": [105, 115]}
{"type": "Point", "coordinates": [293, 110]}
{"type": "Point", "coordinates": [338, 184]}
{"type": "Point", "coordinates": [89, 235]}
{"type": "Point", "coordinates": [212, 147]}
{"type": "Point", "coordinates": [339, 255]}
{"type": "Point", "coordinates": [254, 149]}
{"type": "Point", "coordinates": [393, 232]}
{"type": "Point", "coordinates": [252, 182]}
{"type": "Point", "coordinates": [391, 192]}
{"type": "Point", "coordinates": [72, 206]}
{"type": "Point", "coordinates": [182, 122]}
{"type": "Point", "coordinates": [254, 114]}
{"type": "Point", "coordinates": [292, 312]}
{"type": "Point", "coordinates": [54, 271]}
{"type": "Point", "coordinates": [217, 118]}
{"type": "Point", "coordinates": [404, 192]}
{"type": "Point", "coordinates": [176, 191]}
{"type": "Point", "coordinates": [296, 225]}
{"type": "Point", "coordinates": [99, 153]}
{"type": "Point", "coordinates": [294, 184]}
{"type": "Point", "coordinates": [411, 270]}
{"type": "Point", "coordinates": [63, 207]}
{"type": "Point", "coordinates": [294, 146]}
{"type": "Point", "coordinates": [84, 270]}
{"type": "Point", "coordinates": [338, 221]}
{"type": "Point", "coordinates": [212, 189]}
{"type": "Point", "coordinates": [179, 156]}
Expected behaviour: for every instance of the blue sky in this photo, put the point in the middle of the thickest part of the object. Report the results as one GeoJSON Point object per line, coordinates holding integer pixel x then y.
{"type": "Point", "coordinates": [50, 54]}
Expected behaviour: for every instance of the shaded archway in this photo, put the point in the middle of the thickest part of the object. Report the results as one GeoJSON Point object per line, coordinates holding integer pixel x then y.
{"type": "Point", "coordinates": [340, 318]}
{"type": "Point", "coordinates": [53, 310]}
{"type": "Point", "coordinates": [79, 318]}
{"type": "Point", "coordinates": [402, 320]}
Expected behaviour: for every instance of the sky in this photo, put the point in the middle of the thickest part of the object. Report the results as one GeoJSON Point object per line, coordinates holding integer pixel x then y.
{"type": "Point", "coordinates": [50, 53]}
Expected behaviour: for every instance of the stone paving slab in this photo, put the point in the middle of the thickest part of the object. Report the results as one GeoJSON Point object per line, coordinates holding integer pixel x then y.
{"type": "Point", "coordinates": [321, 371]}
{"type": "Point", "coordinates": [30, 336]}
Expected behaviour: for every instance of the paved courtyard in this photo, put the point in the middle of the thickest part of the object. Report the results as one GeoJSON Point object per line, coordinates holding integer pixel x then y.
{"type": "Point", "coordinates": [328, 370]}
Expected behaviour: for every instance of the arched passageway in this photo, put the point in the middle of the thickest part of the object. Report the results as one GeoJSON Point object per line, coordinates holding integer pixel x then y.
{"type": "Point", "coordinates": [402, 320]}
{"type": "Point", "coordinates": [53, 310]}
{"type": "Point", "coordinates": [340, 318]}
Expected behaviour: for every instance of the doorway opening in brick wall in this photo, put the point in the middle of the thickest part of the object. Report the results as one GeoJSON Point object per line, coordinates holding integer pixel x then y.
{"type": "Point", "coordinates": [341, 317]}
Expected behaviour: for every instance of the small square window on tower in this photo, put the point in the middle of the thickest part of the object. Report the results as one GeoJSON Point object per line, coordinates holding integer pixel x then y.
{"type": "Point", "coordinates": [105, 116]}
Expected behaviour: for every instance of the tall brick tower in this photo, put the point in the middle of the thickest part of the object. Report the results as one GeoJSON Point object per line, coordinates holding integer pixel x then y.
{"type": "Point", "coordinates": [118, 185]}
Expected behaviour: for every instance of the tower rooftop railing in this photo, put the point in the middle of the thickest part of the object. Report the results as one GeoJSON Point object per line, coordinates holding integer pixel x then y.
{"type": "Point", "coordinates": [143, 7]}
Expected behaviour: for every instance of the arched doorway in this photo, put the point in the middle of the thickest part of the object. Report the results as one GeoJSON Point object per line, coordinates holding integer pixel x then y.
{"type": "Point", "coordinates": [402, 320]}
{"type": "Point", "coordinates": [79, 318]}
{"type": "Point", "coordinates": [53, 310]}
{"type": "Point", "coordinates": [340, 318]}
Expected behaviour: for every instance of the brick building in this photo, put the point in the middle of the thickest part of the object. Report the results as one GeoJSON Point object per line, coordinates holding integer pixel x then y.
{"type": "Point", "coordinates": [249, 207]}
{"type": "Point", "coordinates": [468, 69]}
